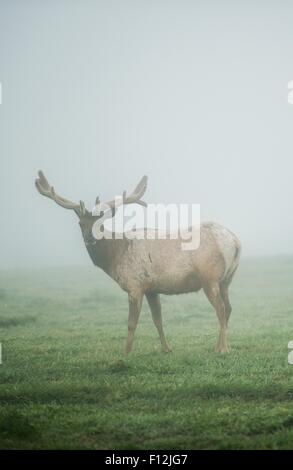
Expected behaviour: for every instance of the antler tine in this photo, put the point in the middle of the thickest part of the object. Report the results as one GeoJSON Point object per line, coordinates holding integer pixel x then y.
{"type": "Point", "coordinates": [45, 189]}
{"type": "Point", "coordinates": [42, 184]}
{"type": "Point", "coordinates": [136, 195]}
{"type": "Point", "coordinates": [133, 198]}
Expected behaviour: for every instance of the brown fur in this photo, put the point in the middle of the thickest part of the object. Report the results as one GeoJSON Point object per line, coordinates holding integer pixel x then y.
{"type": "Point", "coordinates": [153, 267]}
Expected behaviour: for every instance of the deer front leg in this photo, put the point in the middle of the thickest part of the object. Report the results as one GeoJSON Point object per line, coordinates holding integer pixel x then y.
{"type": "Point", "coordinates": [135, 301]}
{"type": "Point", "coordinates": [155, 306]}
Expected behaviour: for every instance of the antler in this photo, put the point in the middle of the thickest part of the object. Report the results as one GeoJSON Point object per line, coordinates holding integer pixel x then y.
{"type": "Point", "coordinates": [45, 189]}
{"type": "Point", "coordinates": [136, 195]}
{"type": "Point", "coordinates": [133, 198]}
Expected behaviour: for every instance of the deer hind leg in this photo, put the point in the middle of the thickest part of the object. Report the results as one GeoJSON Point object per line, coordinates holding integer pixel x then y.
{"type": "Point", "coordinates": [155, 306]}
{"type": "Point", "coordinates": [213, 293]}
{"type": "Point", "coordinates": [224, 287]}
{"type": "Point", "coordinates": [135, 302]}
{"type": "Point", "coordinates": [225, 296]}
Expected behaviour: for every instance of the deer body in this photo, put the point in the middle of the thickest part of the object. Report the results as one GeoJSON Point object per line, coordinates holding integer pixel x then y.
{"type": "Point", "coordinates": [162, 267]}
{"type": "Point", "coordinates": [146, 267]}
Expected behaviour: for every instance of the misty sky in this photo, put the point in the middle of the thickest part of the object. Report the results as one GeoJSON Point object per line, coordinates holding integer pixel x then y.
{"type": "Point", "coordinates": [99, 93]}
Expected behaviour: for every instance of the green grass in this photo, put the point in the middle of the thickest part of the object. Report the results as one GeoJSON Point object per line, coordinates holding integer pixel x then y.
{"type": "Point", "coordinates": [66, 384]}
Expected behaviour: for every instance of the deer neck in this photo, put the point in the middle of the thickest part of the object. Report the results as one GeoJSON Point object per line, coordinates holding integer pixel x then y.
{"type": "Point", "coordinates": [99, 253]}
{"type": "Point", "coordinates": [104, 253]}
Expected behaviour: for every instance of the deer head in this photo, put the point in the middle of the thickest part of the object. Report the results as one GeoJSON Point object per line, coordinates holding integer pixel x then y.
{"type": "Point", "coordinates": [86, 218]}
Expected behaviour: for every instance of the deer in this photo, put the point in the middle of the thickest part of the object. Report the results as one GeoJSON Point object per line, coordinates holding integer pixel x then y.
{"type": "Point", "coordinates": [151, 267]}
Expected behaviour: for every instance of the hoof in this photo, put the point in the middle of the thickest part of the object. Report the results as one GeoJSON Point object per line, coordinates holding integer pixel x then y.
{"type": "Point", "coordinates": [166, 350]}
{"type": "Point", "coordinates": [223, 350]}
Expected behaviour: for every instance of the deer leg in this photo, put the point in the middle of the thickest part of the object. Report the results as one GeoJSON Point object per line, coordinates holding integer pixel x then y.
{"type": "Point", "coordinates": [225, 296]}
{"type": "Point", "coordinates": [135, 302]}
{"type": "Point", "coordinates": [213, 293]}
{"type": "Point", "coordinates": [155, 306]}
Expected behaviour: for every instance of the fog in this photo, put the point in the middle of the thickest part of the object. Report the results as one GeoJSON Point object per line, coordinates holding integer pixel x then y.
{"type": "Point", "coordinates": [98, 93]}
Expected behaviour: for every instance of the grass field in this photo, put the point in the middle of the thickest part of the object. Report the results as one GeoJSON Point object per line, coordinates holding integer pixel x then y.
{"type": "Point", "coordinates": [66, 384]}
